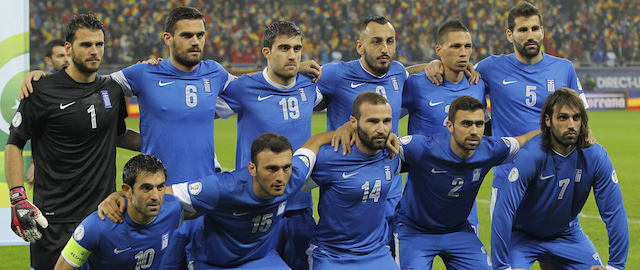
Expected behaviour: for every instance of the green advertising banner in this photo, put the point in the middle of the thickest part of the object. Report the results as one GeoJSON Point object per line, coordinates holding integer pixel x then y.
{"type": "Point", "coordinates": [14, 64]}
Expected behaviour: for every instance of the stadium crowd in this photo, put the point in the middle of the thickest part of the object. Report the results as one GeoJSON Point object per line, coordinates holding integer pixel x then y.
{"type": "Point", "coordinates": [588, 31]}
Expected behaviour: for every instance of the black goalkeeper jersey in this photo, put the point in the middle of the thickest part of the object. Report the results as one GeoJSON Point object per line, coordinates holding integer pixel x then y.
{"type": "Point", "coordinates": [73, 129]}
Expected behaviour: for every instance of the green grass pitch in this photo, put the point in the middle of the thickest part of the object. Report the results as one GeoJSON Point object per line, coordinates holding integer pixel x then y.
{"type": "Point", "coordinates": [617, 131]}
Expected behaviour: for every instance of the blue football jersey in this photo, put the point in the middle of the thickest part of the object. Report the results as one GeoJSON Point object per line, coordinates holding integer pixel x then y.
{"type": "Point", "coordinates": [546, 191]}
{"type": "Point", "coordinates": [518, 91]}
{"type": "Point", "coordinates": [353, 191]}
{"type": "Point", "coordinates": [127, 245]}
{"type": "Point", "coordinates": [264, 106]}
{"type": "Point", "coordinates": [238, 225]}
{"type": "Point", "coordinates": [177, 109]}
{"type": "Point", "coordinates": [428, 104]}
{"type": "Point", "coordinates": [443, 186]}
{"type": "Point", "coordinates": [341, 83]}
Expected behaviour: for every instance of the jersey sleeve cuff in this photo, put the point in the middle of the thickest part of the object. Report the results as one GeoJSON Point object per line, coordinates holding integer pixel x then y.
{"type": "Point", "coordinates": [121, 79]}
{"type": "Point", "coordinates": [514, 148]}
{"type": "Point", "coordinates": [223, 109]}
{"type": "Point", "coordinates": [181, 192]}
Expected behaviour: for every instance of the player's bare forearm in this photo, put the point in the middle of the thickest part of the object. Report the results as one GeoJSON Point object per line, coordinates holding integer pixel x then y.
{"type": "Point", "coordinates": [62, 264]}
{"type": "Point", "coordinates": [415, 69]}
{"type": "Point", "coordinates": [522, 139]}
{"type": "Point", "coordinates": [13, 166]}
{"type": "Point", "coordinates": [318, 140]}
{"type": "Point", "coordinates": [130, 139]}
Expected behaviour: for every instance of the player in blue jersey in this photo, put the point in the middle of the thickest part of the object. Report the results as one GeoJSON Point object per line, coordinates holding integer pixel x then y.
{"type": "Point", "coordinates": [376, 72]}
{"type": "Point", "coordinates": [519, 82]}
{"type": "Point", "coordinates": [278, 100]}
{"type": "Point", "coordinates": [141, 240]}
{"type": "Point", "coordinates": [243, 209]}
{"type": "Point", "coordinates": [352, 232]}
{"type": "Point", "coordinates": [536, 216]}
{"type": "Point", "coordinates": [446, 173]}
{"type": "Point", "coordinates": [428, 104]}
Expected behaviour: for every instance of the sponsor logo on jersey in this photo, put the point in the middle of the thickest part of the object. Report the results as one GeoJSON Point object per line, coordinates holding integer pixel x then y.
{"type": "Point", "coordinates": [106, 98]}
{"type": "Point", "coordinates": [614, 177]}
{"type": "Point", "coordinates": [261, 98]}
{"type": "Point", "coordinates": [505, 82]}
{"type": "Point", "coordinates": [513, 174]}
{"type": "Point", "coordinates": [239, 214]}
{"type": "Point", "coordinates": [78, 234]}
{"type": "Point", "coordinates": [542, 178]}
{"type": "Point", "coordinates": [160, 83]}
{"type": "Point", "coordinates": [195, 188]}
{"type": "Point", "coordinates": [354, 85]}
{"type": "Point", "coordinates": [17, 119]}
{"type": "Point", "coordinates": [434, 171]}
{"type": "Point", "coordinates": [476, 174]}
{"type": "Point", "coordinates": [64, 106]}
{"type": "Point", "coordinates": [405, 139]}
{"type": "Point", "coordinates": [118, 251]}
{"type": "Point", "coordinates": [345, 175]}
{"type": "Point", "coordinates": [432, 104]}
{"type": "Point", "coordinates": [165, 241]}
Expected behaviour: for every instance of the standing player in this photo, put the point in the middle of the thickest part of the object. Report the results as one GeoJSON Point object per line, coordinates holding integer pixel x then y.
{"type": "Point", "coordinates": [278, 100]}
{"type": "Point", "coordinates": [353, 187]}
{"type": "Point", "coordinates": [427, 104]}
{"type": "Point", "coordinates": [75, 119]}
{"type": "Point", "coordinates": [375, 72]}
{"type": "Point", "coordinates": [519, 82]}
{"type": "Point", "coordinates": [446, 173]}
{"type": "Point", "coordinates": [141, 240]}
{"type": "Point", "coordinates": [56, 55]}
{"type": "Point", "coordinates": [57, 58]}
{"type": "Point", "coordinates": [536, 216]}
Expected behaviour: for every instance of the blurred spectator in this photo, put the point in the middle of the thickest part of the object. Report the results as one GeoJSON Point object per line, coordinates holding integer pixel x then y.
{"type": "Point", "coordinates": [571, 28]}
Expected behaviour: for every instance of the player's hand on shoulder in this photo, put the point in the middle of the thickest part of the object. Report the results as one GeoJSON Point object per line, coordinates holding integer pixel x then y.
{"type": "Point", "coordinates": [151, 61]}
{"type": "Point", "coordinates": [393, 144]}
{"type": "Point", "coordinates": [311, 68]}
{"type": "Point", "coordinates": [598, 267]}
{"type": "Point", "coordinates": [345, 135]}
{"type": "Point", "coordinates": [434, 71]}
{"type": "Point", "coordinates": [25, 215]}
{"type": "Point", "coordinates": [472, 74]}
{"type": "Point", "coordinates": [113, 207]}
{"type": "Point", "coordinates": [27, 88]}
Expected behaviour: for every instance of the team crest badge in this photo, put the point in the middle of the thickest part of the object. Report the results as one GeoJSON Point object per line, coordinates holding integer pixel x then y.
{"type": "Point", "coordinates": [17, 120]}
{"type": "Point", "coordinates": [514, 174]}
{"type": "Point", "coordinates": [105, 99]}
{"type": "Point", "coordinates": [406, 139]}
{"type": "Point", "coordinates": [78, 234]}
{"type": "Point", "coordinates": [195, 188]}
{"type": "Point", "coordinates": [165, 241]}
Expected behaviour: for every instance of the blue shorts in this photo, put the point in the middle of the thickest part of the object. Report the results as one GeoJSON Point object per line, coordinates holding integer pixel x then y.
{"type": "Point", "coordinates": [322, 259]}
{"type": "Point", "coordinates": [572, 250]}
{"type": "Point", "coordinates": [295, 235]}
{"type": "Point", "coordinates": [473, 218]}
{"type": "Point", "coordinates": [458, 250]}
{"type": "Point", "coordinates": [271, 261]}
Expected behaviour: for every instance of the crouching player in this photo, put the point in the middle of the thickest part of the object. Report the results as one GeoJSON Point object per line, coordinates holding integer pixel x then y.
{"type": "Point", "coordinates": [141, 239]}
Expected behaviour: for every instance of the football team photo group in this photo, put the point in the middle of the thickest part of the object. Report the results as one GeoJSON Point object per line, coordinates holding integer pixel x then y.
{"type": "Point", "coordinates": [383, 200]}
